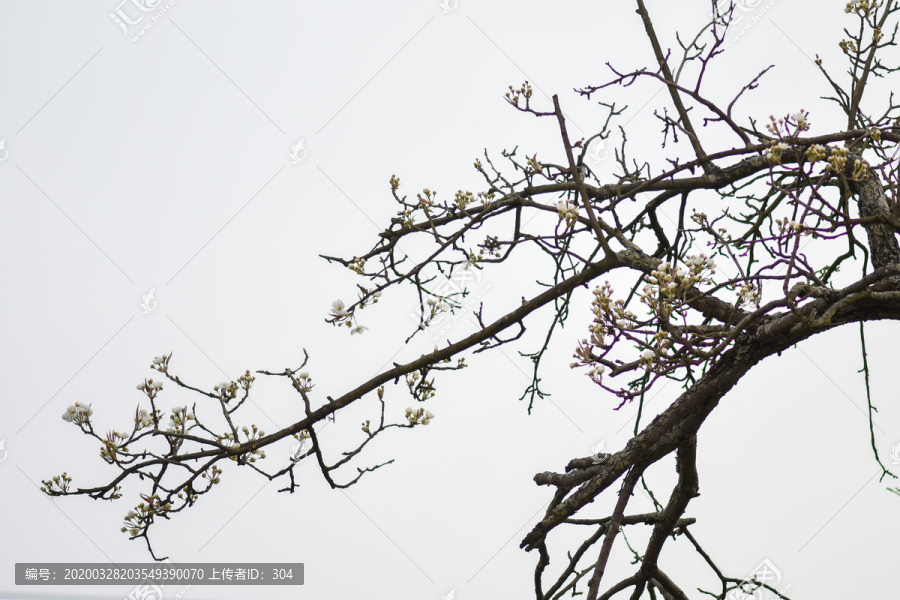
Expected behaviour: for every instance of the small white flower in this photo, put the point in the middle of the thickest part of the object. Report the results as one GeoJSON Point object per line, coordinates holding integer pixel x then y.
{"type": "Point", "coordinates": [428, 415]}
{"type": "Point", "coordinates": [358, 329]}
{"type": "Point", "coordinates": [648, 354]}
{"type": "Point", "coordinates": [304, 375]}
{"type": "Point", "coordinates": [338, 308]}
{"type": "Point", "coordinates": [159, 360]}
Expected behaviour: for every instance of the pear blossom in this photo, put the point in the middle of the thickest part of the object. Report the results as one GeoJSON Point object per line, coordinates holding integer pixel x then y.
{"type": "Point", "coordinates": [78, 413]}
{"type": "Point", "coordinates": [339, 309]}
{"type": "Point", "coordinates": [358, 329]}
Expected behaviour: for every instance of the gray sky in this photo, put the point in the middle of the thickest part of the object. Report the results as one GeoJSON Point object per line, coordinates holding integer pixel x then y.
{"type": "Point", "coordinates": [165, 164]}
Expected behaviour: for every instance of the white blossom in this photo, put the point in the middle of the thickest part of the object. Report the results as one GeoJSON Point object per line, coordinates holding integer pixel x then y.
{"type": "Point", "coordinates": [339, 309]}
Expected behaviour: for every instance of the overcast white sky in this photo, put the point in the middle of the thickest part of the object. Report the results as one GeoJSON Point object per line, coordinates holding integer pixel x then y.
{"type": "Point", "coordinates": [164, 164]}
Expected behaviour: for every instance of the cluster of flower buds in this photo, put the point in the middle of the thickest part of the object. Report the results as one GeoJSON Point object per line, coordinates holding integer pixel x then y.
{"type": "Point", "coordinates": [567, 211]}
{"type": "Point", "coordinates": [252, 433]}
{"type": "Point", "coordinates": [670, 280]}
{"type": "Point", "coordinates": [150, 387]}
{"type": "Point", "coordinates": [662, 293]}
{"type": "Point", "coordinates": [303, 382]}
{"type": "Point", "coordinates": [161, 363]}
{"type": "Point", "coordinates": [112, 444]}
{"type": "Point", "coordinates": [816, 152]}
{"type": "Point", "coordinates": [420, 390]}
{"type": "Point", "coordinates": [435, 306]}
{"type": "Point", "coordinates": [838, 160]}
{"type": "Point", "coordinates": [514, 95]}
{"type": "Point", "coordinates": [427, 197]}
{"type": "Point", "coordinates": [788, 126]}
{"type": "Point", "coordinates": [144, 418]}
{"type": "Point", "coordinates": [748, 294]}
{"type": "Point", "coordinates": [358, 265]}
{"type": "Point", "coordinates": [773, 152]}
{"type": "Point", "coordinates": [226, 389]}
{"type": "Point", "coordinates": [56, 486]}
{"type": "Point", "coordinates": [78, 413]}
{"type": "Point", "coordinates": [418, 417]}
{"type": "Point", "coordinates": [143, 513]}
{"type": "Point", "coordinates": [179, 418]}
{"type": "Point", "coordinates": [464, 199]}
{"type": "Point", "coordinates": [861, 7]}
{"type": "Point", "coordinates": [787, 226]}
{"type": "Point", "coordinates": [212, 474]}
